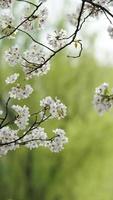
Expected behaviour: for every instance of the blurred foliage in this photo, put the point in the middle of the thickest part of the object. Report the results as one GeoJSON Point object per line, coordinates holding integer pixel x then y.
{"type": "Point", "coordinates": [84, 169]}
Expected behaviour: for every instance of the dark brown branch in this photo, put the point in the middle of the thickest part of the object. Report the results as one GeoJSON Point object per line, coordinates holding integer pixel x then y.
{"type": "Point", "coordinates": [98, 6]}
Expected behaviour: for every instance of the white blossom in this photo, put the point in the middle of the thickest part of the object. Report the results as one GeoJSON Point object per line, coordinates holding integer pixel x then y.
{"type": "Point", "coordinates": [20, 93]}
{"type": "Point", "coordinates": [102, 101]}
{"type": "Point", "coordinates": [7, 136]}
{"type": "Point", "coordinates": [39, 138]}
{"type": "Point", "coordinates": [34, 58]}
{"type": "Point", "coordinates": [6, 23]}
{"type": "Point", "coordinates": [57, 144]}
{"type": "Point", "coordinates": [42, 17]}
{"type": "Point", "coordinates": [57, 39]}
{"type": "Point", "coordinates": [27, 25]}
{"type": "Point", "coordinates": [56, 108]}
{"type": "Point", "coordinates": [23, 115]}
{"type": "Point", "coordinates": [36, 138]}
{"type": "Point", "coordinates": [38, 19]}
{"type": "Point", "coordinates": [12, 78]}
{"type": "Point", "coordinates": [95, 10]}
{"type": "Point", "coordinates": [13, 56]}
{"type": "Point", "coordinates": [5, 3]}
{"type": "Point", "coordinates": [46, 102]}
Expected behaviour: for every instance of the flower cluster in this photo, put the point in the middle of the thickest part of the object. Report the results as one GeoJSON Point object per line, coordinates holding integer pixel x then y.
{"type": "Point", "coordinates": [38, 138]}
{"type": "Point", "coordinates": [22, 117]}
{"type": "Point", "coordinates": [20, 93]}
{"type": "Point", "coordinates": [59, 140]}
{"type": "Point", "coordinates": [96, 10]}
{"type": "Point", "coordinates": [33, 61]}
{"type": "Point", "coordinates": [57, 39]}
{"type": "Point", "coordinates": [6, 23]}
{"type": "Point", "coordinates": [55, 107]}
{"type": "Point", "coordinates": [12, 56]}
{"type": "Point", "coordinates": [33, 136]}
{"type": "Point", "coordinates": [42, 17]}
{"type": "Point", "coordinates": [27, 25]}
{"type": "Point", "coordinates": [7, 136]}
{"type": "Point", "coordinates": [102, 100]}
{"type": "Point", "coordinates": [5, 3]}
{"type": "Point", "coordinates": [37, 20]}
{"type": "Point", "coordinates": [12, 79]}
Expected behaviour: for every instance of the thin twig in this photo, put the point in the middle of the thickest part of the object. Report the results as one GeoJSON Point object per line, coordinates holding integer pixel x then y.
{"type": "Point", "coordinates": [80, 52]}
{"type": "Point", "coordinates": [39, 43]}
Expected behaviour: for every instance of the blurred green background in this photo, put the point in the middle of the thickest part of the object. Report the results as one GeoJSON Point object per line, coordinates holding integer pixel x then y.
{"type": "Point", "coordinates": [84, 169]}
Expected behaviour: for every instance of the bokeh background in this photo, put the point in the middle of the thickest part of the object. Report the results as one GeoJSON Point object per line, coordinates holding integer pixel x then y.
{"type": "Point", "coordinates": [84, 169]}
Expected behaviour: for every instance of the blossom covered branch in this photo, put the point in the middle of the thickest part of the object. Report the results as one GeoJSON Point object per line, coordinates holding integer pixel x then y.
{"type": "Point", "coordinates": [32, 136]}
